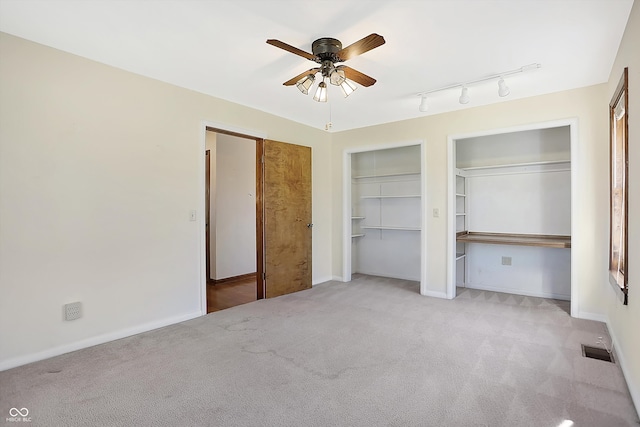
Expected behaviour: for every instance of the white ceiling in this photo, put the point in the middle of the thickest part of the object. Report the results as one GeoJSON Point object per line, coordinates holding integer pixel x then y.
{"type": "Point", "coordinates": [218, 47]}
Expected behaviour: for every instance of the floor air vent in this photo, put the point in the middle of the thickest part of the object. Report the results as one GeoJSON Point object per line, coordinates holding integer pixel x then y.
{"type": "Point", "coordinates": [597, 353]}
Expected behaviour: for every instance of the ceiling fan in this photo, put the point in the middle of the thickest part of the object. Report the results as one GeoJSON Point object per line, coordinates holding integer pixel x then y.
{"type": "Point", "coordinates": [328, 52]}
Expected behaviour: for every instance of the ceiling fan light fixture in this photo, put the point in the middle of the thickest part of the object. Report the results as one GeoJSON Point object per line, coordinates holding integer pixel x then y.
{"type": "Point", "coordinates": [305, 83]}
{"type": "Point", "coordinates": [503, 89]}
{"type": "Point", "coordinates": [337, 77]}
{"type": "Point", "coordinates": [321, 93]}
{"type": "Point", "coordinates": [464, 96]}
{"type": "Point", "coordinates": [347, 87]}
{"type": "Point", "coordinates": [424, 106]}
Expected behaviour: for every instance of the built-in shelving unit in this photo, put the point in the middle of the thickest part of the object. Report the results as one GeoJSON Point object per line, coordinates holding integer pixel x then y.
{"type": "Point", "coordinates": [356, 234]}
{"type": "Point", "coordinates": [461, 226]}
{"type": "Point", "coordinates": [386, 212]}
{"type": "Point", "coordinates": [511, 216]}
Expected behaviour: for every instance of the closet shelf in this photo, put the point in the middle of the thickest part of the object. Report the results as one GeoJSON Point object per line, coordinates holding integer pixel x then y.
{"type": "Point", "coordinates": [542, 240]}
{"type": "Point", "coordinates": [510, 165]}
{"type": "Point", "coordinates": [388, 227]}
{"type": "Point", "coordinates": [382, 175]}
{"type": "Point", "coordinates": [461, 213]}
{"type": "Point", "coordinates": [357, 217]}
{"type": "Point", "coordinates": [357, 235]}
{"type": "Point", "coordinates": [405, 196]}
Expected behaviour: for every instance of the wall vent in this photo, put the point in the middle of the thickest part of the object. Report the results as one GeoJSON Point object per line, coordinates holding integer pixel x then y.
{"type": "Point", "coordinates": [597, 353]}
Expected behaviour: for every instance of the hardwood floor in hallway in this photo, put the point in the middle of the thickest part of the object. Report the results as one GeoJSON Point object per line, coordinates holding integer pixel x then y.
{"type": "Point", "coordinates": [230, 294]}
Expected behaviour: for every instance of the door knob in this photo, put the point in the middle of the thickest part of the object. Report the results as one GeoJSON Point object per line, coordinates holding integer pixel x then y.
{"type": "Point", "coordinates": [309, 225]}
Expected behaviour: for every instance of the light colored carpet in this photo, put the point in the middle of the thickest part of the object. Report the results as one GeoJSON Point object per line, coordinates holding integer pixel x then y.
{"type": "Point", "coordinates": [372, 352]}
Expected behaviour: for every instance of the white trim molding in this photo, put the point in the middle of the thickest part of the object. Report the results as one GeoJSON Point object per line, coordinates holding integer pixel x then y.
{"type": "Point", "coordinates": [90, 342]}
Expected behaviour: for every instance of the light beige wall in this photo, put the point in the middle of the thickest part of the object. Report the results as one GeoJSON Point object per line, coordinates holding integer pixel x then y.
{"type": "Point", "coordinates": [235, 206]}
{"type": "Point", "coordinates": [589, 243]}
{"type": "Point", "coordinates": [99, 169]}
{"type": "Point", "coordinates": [624, 321]}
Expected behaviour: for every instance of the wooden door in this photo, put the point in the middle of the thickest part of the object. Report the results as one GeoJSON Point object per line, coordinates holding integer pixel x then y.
{"type": "Point", "coordinates": [287, 218]}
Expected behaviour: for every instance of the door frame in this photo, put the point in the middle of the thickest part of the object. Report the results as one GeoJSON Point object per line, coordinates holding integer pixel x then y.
{"type": "Point", "coordinates": [346, 208]}
{"type": "Point", "coordinates": [572, 123]}
{"type": "Point", "coordinates": [259, 136]}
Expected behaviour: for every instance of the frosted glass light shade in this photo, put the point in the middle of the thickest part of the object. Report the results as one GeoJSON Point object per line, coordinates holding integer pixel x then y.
{"type": "Point", "coordinates": [347, 87]}
{"type": "Point", "coordinates": [337, 77]}
{"type": "Point", "coordinates": [304, 84]}
{"type": "Point", "coordinates": [321, 93]}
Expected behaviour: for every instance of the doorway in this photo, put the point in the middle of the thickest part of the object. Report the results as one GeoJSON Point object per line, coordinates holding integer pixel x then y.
{"type": "Point", "coordinates": [282, 224]}
{"type": "Point", "coordinates": [230, 223]}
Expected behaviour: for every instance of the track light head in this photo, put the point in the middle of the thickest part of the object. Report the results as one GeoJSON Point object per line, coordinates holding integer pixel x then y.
{"type": "Point", "coordinates": [464, 96]}
{"type": "Point", "coordinates": [424, 106]}
{"type": "Point", "coordinates": [503, 89]}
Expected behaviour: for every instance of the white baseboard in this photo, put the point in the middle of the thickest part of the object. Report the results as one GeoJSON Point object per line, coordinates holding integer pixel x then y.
{"type": "Point", "coordinates": [519, 292]}
{"type": "Point", "coordinates": [434, 294]}
{"type": "Point", "coordinates": [634, 391]}
{"type": "Point", "coordinates": [321, 280]}
{"type": "Point", "coordinates": [389, 276]}
{"type": "Point", "coordinates": [338, 279]}
{"type": "Point", "coordinates": [592, 316]}
{"type": "Point", "coordinates": [89, 342]}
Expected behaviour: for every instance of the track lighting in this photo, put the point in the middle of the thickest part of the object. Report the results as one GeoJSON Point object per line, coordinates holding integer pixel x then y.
{"type": "Point", "coordinates": [423, 104]}
{"type": "Point", "coordinates": [321, 93]}
{"type": "Point", "coordinates": [305, 83]}
{"type": "Point", "coordinates": [503, 89]}
{"type": "Point", "coordinates": [464, 96]}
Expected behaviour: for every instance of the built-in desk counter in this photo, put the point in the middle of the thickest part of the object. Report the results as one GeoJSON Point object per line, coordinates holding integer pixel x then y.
{"type": "Point", "coordinates": [547, 241]}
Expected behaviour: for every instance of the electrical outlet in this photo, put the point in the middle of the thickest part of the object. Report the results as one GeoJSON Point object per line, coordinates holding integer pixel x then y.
{"type": "Point", "coordinates": [436, 212]}
{"type": "Point", "coordinates": [192, 215]}
{"type": "Point", "coordinates": [506, 260]}
{"type": "Point", "coordinates": [73, 311]}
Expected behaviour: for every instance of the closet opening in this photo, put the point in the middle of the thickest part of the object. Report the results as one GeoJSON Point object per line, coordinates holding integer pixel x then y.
{"type": "Point", "coordinates": [384, 232]}
{"type": "Point", "coordinates": [510, 211]}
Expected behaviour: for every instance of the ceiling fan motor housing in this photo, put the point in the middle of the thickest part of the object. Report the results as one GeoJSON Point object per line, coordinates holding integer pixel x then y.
{"type": "Point", "coordinates": [326, 49]}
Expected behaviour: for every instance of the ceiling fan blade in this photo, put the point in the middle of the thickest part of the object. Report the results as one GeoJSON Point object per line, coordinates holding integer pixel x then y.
{"type": "Point", "coordinates": [289, 48]}
{"type": "Point", "coordinates": [297, 78]}
{"type": "Point", "coordinates": [372, 41]}
{"type": "Point", "coordinates": [357, 76]}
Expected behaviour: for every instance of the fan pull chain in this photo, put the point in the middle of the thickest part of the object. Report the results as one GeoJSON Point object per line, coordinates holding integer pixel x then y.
{"type": "Point", "coordinates": [328, 125]}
